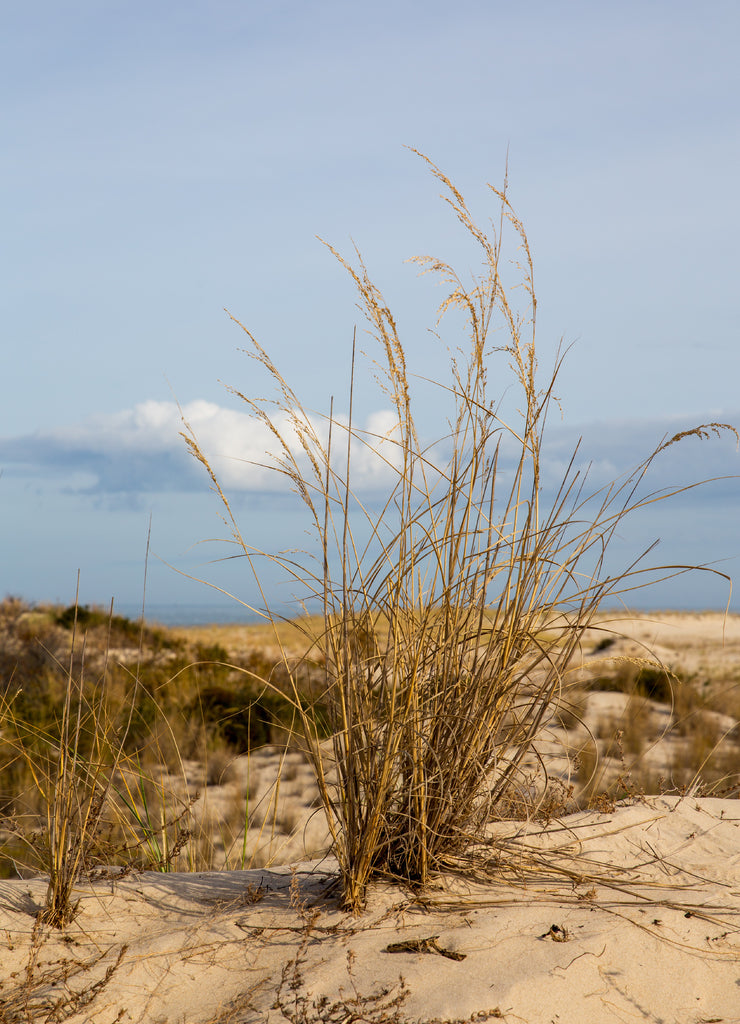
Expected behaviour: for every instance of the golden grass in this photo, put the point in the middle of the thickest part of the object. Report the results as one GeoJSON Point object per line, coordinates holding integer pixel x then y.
{"type": "Point", "coordinates": [452, 610]}
{"type": "Point", "coordinates": [452, 614]}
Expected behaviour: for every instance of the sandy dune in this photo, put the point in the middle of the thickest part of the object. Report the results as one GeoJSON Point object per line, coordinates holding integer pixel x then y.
{"type": "Point", "coordinates": [632, 915]}
{"type": "Point", "coordinates": [657, 938]}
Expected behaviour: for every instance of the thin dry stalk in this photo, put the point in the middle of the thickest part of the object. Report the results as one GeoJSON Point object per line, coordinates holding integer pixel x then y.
{"type": "Point", "coordinates": [72, 767]}
{"type": "Point", "coordinates": [60, 991]}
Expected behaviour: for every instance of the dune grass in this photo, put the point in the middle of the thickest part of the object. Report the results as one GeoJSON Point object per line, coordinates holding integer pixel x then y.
{"type": "Point", "coordinates": [115, 738]}
{"type": "Point", "coordinates": [451, 610]}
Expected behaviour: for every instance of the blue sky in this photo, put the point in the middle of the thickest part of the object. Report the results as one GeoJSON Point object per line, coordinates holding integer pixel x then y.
{"type": "Point", "coordinates": [162, 161]}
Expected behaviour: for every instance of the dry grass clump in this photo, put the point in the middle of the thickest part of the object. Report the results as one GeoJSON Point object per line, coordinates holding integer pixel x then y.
{"type": "Point", "coordinates": [136, 757]}
{"type": "Point", "coordinates": [71, 765]}
{"type": "Point", "coordinates": [452, 608]}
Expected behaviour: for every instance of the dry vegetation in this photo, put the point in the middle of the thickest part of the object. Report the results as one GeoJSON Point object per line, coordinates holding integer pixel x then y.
{"type": "Point", "coordinates": [654, 725]}
{"type": "Point", "coordinates": [451, 615]}
{"type": "Point", "coordinates": [139, 748]}
{"type": "Point", "coordinates": [445, 686]}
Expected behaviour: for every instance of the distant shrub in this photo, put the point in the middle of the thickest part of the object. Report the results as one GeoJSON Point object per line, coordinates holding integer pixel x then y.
{"type": "Point", "coordinates": [123, 630]}
{"type": "Point", "coordinates": [631, 678]}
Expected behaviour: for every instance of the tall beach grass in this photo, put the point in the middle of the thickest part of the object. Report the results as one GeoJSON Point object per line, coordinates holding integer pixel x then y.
{"type": "Point", "coordinates": [452, 610]}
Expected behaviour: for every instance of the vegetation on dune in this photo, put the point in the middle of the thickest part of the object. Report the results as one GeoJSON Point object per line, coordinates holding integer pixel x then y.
{"type": "Point", "coordinates": [453, 608]}
{"type": "Point", "coordinates": [100, 719]}
{"type": "Point", "coordinates": [454, 614]}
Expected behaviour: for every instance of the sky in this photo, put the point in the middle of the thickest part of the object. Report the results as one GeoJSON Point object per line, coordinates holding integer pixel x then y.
{"type": "Point", "coordinates": [165, 162]}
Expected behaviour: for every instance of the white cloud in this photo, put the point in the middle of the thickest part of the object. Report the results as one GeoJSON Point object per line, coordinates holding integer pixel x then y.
{"type": "Point", "coordinates": [141, 449]}
{"type": "Point", "coordinates": [135, 458]}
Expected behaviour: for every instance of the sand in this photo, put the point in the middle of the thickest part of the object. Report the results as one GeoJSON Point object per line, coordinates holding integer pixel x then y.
{"type": "Point", "coordinates": [633, 915]}
{"type": "Point", "coordinates": [657, 938]}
